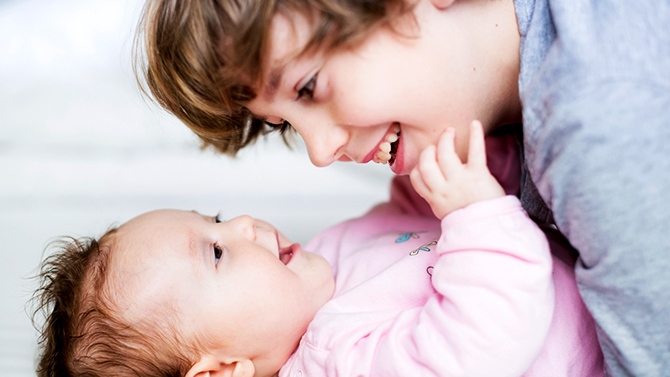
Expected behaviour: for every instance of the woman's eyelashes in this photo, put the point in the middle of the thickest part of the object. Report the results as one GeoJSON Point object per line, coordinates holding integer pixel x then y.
{"type": "Point", "coordinates": [218, 253]}
{"type": "Point", "coordinates": [307, 90]}
{"type": "Point", "coordinates": [281, 127]}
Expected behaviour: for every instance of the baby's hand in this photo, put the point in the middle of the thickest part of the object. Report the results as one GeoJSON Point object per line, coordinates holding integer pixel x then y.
{"type": "Point", "coordinates": [446, 183]}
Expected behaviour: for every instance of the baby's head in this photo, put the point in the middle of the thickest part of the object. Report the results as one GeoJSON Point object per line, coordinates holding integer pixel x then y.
{"type": "Point", "coordinates": [203, 59]}
{"type": "Point", "coordinates": [177, 293]}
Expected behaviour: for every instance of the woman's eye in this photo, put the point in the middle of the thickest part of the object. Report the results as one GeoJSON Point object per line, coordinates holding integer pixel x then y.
{"type": "Point", "coordinates": [308, 89]}
{"type": "Point", "coordinates": [282, 127]}
{"type": "Point", "coordinates": [274, 125]}
{"type": "Point", "coordinates": [218, 252]}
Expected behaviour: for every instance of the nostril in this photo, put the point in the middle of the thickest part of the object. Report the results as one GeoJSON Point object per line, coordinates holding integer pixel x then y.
{"type": "Point", "coordinates": [252, 230]}
{"type": "Point", "coordinates": [246, 226]}
{"type": "Point", "coordinates": [344, 158]}
{"type": "Point", "coordinates": [325, 144]}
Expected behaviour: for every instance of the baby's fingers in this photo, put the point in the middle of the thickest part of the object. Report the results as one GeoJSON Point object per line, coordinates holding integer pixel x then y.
{"type": "Point", "coordinates": [477, 148]}
{"type": "Point", "coordinates": [446, 153]}
{"type": "Point", "coordinates": [428, 171]}
{"type": "Point", "coordinates": [417, 182]}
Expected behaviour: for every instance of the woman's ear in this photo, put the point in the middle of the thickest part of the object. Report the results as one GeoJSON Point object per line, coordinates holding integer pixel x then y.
{"type": "Point", "coordinates": [442, 4]}
{"type": "Point", "coordinates": [211, 366]}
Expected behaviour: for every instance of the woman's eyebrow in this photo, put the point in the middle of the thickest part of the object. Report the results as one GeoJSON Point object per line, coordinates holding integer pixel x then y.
{"type": "Point", "coordinates": [274, 82]}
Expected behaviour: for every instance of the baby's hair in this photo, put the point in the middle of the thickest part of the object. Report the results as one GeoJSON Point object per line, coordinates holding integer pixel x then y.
{"type": "Point", "coordinates": [83, 333]}
{"type": "Point", "coordinates": [201, 59]}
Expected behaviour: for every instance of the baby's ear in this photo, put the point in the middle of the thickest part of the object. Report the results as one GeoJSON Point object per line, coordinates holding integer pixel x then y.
{"type": "Point", "coordinates": [211, 366]}
{"type": "Point", "coordinates": [442, 4]}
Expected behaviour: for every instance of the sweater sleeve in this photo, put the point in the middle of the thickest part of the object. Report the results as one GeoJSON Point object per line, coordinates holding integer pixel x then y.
{"type": "Point", "coordinates": [595, 87]}
{"type": "Point", "coordinates": [492, 305]}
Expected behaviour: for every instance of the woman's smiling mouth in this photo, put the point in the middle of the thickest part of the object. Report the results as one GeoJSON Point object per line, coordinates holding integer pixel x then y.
{"type": "Point", "coordinates": [388, 147]}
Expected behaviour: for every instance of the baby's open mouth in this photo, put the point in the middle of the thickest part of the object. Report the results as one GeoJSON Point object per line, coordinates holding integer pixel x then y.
{"type": "Point", "coordinates": [388, 148]}
{"type": "Point", "coordinates": [286, 254]}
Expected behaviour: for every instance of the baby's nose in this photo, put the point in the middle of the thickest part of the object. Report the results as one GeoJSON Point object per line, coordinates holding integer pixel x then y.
{"type": "Point", "coordinates": [246, 226]}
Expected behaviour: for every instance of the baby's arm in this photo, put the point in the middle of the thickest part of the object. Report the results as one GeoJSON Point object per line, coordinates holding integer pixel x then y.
{"type": "Point", "coordinates": [448, 184]}
{"type": "Point", "coordinates": [494, 294]}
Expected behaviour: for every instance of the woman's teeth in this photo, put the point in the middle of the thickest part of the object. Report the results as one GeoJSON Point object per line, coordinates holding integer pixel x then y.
{"type": "Point", "coordinates": [388, 147]}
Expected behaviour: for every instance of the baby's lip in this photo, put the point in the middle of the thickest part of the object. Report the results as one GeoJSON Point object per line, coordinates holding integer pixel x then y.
{"type": "Point", "coordinates": [286, 254]}
{"type": "Point", "coordinates": [279, 248]}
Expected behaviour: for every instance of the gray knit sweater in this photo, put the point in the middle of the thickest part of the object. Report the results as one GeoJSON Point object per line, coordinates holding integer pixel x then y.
{"type": "Point", "coordinates": [595, 89]}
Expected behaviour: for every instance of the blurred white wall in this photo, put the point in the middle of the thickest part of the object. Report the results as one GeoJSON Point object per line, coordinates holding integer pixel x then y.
{"type": "Point", "coordinates": [80, 149]}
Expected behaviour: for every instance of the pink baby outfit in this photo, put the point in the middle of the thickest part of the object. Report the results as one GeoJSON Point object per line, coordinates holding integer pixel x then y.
{"type": "Point", "coordinates": [477, 294]}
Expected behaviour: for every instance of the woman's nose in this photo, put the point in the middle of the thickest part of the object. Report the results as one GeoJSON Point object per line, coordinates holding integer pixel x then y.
{"type": "Point", "coordinates": [245, 226]}
{"type": "Point", "coordinates": [324, 140]}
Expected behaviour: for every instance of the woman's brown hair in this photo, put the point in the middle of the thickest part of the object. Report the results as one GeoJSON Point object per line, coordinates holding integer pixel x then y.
{"type": "Point", "coordinates": [201, 59]}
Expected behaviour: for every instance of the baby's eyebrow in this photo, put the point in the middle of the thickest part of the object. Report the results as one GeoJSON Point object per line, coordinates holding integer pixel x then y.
{"type": "Point", "coordinates": [203, 216]}
{"type": "Point", "coordinates": [197, 255]}
{"type": "Point", "coordinates": [211, 219]}
{"type": "Point", "coordinates": [193, 246]}
{"type": "Point", "coordinates": [195, 251]}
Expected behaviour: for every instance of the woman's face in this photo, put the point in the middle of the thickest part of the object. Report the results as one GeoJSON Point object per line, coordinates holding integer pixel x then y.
{"type": "Point", "coordinates": [392, 92]}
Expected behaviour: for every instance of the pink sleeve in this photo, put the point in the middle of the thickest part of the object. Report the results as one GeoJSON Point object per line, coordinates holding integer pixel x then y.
{"type": "Point", "coordinates": [493, 303]}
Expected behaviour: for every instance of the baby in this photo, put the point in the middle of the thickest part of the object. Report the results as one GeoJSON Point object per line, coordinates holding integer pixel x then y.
{"type": "Point", "coordinates": [392, 293]}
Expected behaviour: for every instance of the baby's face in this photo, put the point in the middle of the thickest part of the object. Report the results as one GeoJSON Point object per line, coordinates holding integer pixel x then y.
{"type": "Point", "coordinates": [239, 282]}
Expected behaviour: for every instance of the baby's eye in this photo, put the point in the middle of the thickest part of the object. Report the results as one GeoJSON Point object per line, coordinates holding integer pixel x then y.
{"type": "Point", "coordinates": [217, 219]}
{"type": "Point", "coordinates": [218, 252]}
{"type": "Point", "coordinates": [308, 89]}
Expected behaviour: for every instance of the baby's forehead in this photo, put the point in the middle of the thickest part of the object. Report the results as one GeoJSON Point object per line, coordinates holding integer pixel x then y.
{"type": "Point", "coordinates": [158, 216]}
{"type": "Point", "coordinates": [140, 282]}
{"type": "Point", "coordinates": [150, 228]}
{"type": "Point", "coordinates": [155, 234]}
{"type": "Point", "coordinates": [153, 250]}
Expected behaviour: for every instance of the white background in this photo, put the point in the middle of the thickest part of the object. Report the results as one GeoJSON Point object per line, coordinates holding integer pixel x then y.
{"type": "Point", "coordinates": [80, 150]}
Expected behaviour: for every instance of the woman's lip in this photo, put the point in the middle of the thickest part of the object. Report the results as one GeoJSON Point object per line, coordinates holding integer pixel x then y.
{"type": "Point", "coordinates": [399, 162]}
{"type": "Point", "coordinates": [374, 150]}
{"type": "Point", "coordinates": [370, 155]}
